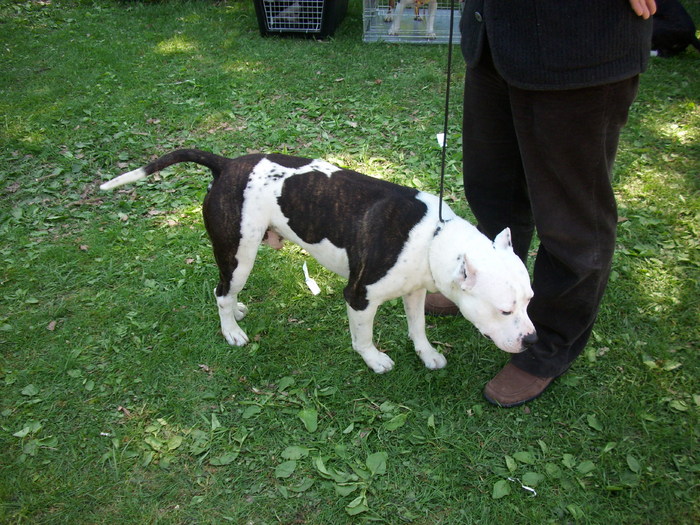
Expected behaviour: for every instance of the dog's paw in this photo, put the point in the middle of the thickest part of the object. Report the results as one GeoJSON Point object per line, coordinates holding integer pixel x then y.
{"type": "Point", "coordinates": [431, 35]}
{"type": "Point", "coordinates": [235, 337]}
{"type": "Point", "coordinates": [240, 311]}
{"type": "Point", "coordinates": [379, 362]}
{"type": "Point", "coordinates": [432, 359]}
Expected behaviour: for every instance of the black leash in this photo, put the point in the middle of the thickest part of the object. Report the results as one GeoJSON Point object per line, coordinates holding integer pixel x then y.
{"type": "Point", "coordinates": [447, 109]}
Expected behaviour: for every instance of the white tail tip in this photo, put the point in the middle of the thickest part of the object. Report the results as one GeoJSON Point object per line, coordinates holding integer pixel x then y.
{"type": "Point", "coordinates": [125, 178]}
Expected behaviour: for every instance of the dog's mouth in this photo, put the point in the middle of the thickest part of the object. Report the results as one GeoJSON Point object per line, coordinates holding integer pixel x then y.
{"type": "Point", "coordinates": [525, 343]}
{"type": "Point", "coordinates": [529, 340]}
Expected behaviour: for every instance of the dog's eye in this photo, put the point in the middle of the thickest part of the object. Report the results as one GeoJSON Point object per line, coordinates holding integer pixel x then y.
{"type": "Point", "coordinates": [503, 312]}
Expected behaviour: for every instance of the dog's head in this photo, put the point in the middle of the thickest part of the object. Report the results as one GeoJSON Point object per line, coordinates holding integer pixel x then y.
{"type": "Point", "coordinates": [488, 282]}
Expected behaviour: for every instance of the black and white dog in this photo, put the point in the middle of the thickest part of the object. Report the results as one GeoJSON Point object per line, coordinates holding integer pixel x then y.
{"type": "Point", "coordinates": [386, 239]}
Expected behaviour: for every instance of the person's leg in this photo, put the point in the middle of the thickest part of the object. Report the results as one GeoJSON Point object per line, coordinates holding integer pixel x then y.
{"type": "Point", "coordinates": [568, 141]}
{"type": "Point", "coordinates": [494, 181]}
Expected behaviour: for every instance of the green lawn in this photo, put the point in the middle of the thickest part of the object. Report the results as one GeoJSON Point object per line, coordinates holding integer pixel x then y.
{"type": "Point", "coordinates": [120, 402]}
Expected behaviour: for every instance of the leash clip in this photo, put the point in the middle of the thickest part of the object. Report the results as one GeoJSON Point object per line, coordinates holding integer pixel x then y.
{"type": "Point", "coordinates": [438, 228]}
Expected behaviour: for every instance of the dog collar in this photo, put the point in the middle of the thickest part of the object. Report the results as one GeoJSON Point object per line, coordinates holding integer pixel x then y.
{"type": "Point", "coordinates": [439, 227]}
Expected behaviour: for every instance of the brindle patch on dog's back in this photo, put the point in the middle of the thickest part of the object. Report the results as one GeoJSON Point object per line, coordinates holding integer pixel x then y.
{"type": "Point", "coordinates": [370, 219]}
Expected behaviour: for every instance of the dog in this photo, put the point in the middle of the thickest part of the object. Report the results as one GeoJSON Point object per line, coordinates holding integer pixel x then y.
{"type": "Point", "coordinates": [390, 11]}
{"type": "Point", "coordinates": [403, 4]}
{"type": "Point", "coordinates": [673, 29]}
{"type": "Point", "coordinates": [386, 239]}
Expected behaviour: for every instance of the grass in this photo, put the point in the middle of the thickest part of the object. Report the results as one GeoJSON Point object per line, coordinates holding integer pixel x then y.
{"type": "Point", "coordinates": [120, 401]}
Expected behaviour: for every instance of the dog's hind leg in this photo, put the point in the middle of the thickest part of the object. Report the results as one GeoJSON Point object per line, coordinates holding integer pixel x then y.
{"type": "Point", "coordinates": [230, 312]}
{"type": "Point", "coordinates": [231, 282]}
{"type": "Point", "coordinates": [235, 246]}
{"type": "Point", "coordinates": [414, 304]}
{"type": "Point", "coordinates": [361, 324]}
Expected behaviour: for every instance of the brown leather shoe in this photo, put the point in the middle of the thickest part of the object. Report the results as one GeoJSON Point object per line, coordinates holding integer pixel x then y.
{"type": "Point", "coordinates": [438, 304]}
{"type": "Point", "coordinates": [512, 387]}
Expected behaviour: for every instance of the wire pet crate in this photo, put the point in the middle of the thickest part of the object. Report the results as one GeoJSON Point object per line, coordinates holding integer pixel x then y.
{"type": "Point", "coordinates": [302, 17]}
{"type": "Point", "coordinates": [414, 22]}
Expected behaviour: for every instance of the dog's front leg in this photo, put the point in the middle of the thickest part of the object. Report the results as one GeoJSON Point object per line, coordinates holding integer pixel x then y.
{"type": "Point", "coordinates": [414, 304]}
{"type": "Point", "coordinates": [361, 331]}
{"type": "Point", "coordinates": [430, 29]}
{"type": "Point", "coordinates": [398, 14]}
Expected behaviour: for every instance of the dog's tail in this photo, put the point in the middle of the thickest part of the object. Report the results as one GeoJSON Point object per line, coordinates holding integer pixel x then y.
{"type": "Point", "coordinates": [214, 162]}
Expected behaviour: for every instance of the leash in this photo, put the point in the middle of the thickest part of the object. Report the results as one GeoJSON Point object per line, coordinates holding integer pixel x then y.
{"type": "Point", "coordinates": [447, 110]}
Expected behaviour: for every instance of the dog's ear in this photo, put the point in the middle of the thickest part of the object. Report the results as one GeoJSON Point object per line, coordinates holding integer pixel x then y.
{"type": "Point", "coordinates": [465, 276]}
{"type": "Point", "coordinates": [503, 240]}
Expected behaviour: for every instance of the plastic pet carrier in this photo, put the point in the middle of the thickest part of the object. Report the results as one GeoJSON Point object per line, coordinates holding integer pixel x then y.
{"type": "Point", "coordinates": [410, 21]}
{"type": "Point", "coordinates": [318, 18]}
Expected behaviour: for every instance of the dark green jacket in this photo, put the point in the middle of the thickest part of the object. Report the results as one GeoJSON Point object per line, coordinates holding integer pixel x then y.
{"type": "Point", "coordinates": [557, 44]}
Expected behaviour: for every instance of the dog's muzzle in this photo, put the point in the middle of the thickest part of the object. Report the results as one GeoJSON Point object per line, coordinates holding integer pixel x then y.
{"type": "Point", "coordinates": [529, 340]}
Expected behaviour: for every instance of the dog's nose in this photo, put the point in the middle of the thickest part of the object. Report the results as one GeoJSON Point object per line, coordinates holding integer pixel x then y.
{"type": "Point", "coordinates": [530, 339]}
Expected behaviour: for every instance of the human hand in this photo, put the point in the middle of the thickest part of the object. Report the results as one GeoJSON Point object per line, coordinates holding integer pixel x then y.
{"type": "Point", "coordinates": [643, 8]}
